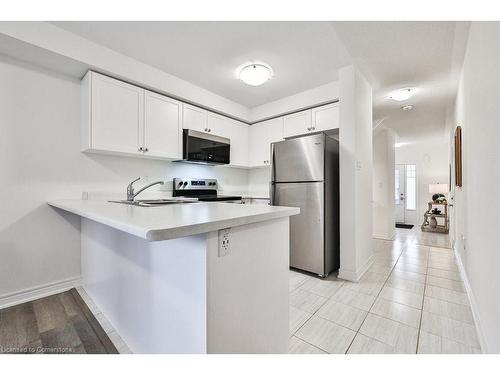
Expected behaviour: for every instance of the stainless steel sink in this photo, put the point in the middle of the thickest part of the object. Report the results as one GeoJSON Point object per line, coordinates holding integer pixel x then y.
{"type": "Point", "coordinates": [154, 202]}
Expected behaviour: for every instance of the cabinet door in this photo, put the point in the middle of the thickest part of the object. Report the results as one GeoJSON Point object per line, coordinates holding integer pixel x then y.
{"type": "Point", "coordinates": [194, 118]}
{"type": "Point", "coordinates": [325, 117]}
{"type": "Point", "coordinates": [257, 149]}
{"type": "Point", "coordinates": [261, 137]}
{"type": "Point", "coordinates": [297, 124]}
{"type": "Point", "coordinates": [218, 125]}
{"type": "Point", "coordinates": [236, 131]}
{"type": "Point", "coordinates": [117, 115]}
{"type": "Point", "coordinates": [239, 134]}
{"type": "Point", "coordinates": [162, 126]}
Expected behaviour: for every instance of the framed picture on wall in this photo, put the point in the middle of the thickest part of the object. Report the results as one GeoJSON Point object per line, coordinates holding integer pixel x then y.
{"type": "Point", "coordinates": [458, 156]}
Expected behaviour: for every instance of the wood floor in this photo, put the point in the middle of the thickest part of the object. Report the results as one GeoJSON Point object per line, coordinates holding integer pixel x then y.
{"type": "Point", "coordinates": [58, 324]}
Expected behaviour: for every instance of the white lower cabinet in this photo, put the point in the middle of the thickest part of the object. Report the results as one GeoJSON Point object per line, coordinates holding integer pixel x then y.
{"type": "Point", "coordinates": [126, 119]}
{"type": "Point", "coordinates": [262, 135]}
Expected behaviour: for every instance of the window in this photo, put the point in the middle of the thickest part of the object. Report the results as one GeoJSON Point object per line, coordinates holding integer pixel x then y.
{"type": "Point", "coordinates": [411, 187]}
{"type": "Point", "coordinates": [396, 187]}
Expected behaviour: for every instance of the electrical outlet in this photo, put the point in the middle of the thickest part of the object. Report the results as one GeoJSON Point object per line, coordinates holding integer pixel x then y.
{"type": "Point", "coordinates": [224, 242]}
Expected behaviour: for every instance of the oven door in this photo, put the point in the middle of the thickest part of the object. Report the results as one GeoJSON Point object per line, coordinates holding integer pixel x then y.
{"type": "Point", "coordinates": [205, 148]}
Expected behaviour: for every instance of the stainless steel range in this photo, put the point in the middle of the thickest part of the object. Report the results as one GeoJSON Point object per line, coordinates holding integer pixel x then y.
{"type": "Point", "coordinates": [205, 189]}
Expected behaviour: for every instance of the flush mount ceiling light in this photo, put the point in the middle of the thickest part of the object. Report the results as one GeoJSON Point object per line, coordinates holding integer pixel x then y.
{"type": "Point", "coordinates": [408, 107]}
{"type": "Point", "coordinates": [254, 74]}
{"type": "Point", "coordinates": [402, 94]}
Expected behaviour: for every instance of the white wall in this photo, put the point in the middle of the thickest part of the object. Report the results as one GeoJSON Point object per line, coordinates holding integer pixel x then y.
{"type": "Point", "coordinates": [477, 206]}
{"type": "Point", "coordinates": [40, 159]}
{"type": "Point", "coordinates": [383, 184]}
{"type": "Point", "coordinates": [355, 132]}
{"type": "Point", "coordinates": [431, 158]}
{"type": "Point", "coordinates": [258, 182]}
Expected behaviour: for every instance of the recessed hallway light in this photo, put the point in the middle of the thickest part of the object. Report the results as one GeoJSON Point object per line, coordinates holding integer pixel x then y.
{"type": "Point", "coordinates": [402, 94]}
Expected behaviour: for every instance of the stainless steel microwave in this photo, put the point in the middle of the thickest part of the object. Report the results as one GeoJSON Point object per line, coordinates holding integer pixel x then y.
{"type": "Point", "coordinates": [203, 148]}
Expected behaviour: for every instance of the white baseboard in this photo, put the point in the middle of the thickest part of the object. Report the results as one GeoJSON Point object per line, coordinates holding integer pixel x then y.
{"type": "Point", "coordinates": [473, 304]}
{"type": "Point", "coordinates": [355, 275]}
{"type": "Point", "coordinates": [382, 237]}
{"type": "Point", "coordinates": [30, 294]}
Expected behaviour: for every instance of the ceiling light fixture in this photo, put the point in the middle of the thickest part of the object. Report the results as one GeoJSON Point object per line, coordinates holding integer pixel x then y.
{"type": "Point", "coordinates": [408, 107]}
{"type": "Point", "coordinates": [255, 74]}
{"type": "Point", "coordinates": [400, 144]}
{"type": "Point", "coordinates": [402, 94]}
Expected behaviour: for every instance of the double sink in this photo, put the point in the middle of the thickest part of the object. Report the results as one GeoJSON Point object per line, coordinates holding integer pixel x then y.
{"type": "Point", "coordinates": [156, 202]}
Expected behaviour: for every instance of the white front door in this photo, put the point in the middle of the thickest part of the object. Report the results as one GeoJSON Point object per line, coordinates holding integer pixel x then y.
{"type": "Point", "coordinates": [399, 193]}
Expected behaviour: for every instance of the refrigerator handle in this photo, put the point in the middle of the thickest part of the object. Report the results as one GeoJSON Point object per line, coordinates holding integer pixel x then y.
{"type": "Point", "coordinates": [273, 169]}
{"type": "Point", "coordinates": [271, 193]}
{"type": "Point", "coordinates": [273, 177]}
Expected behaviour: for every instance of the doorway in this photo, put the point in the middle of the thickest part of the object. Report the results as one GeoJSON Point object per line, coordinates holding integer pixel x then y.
{"type": "Point", "coordinates": [405, 193]}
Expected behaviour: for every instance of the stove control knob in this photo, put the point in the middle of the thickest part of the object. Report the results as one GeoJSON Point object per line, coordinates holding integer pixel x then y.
{"type": "Point", "coordinates": [185, 183]}
{"type": "Point", "coordinates": [180, 183]}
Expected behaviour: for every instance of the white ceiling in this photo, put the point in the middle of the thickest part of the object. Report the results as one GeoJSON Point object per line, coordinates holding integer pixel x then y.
{"type": "Point", "coordinates": [393, 55]}
{"type": "Point", "coordinates": [303, 55]}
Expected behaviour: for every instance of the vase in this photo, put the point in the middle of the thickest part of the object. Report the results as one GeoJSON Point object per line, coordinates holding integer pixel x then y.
{"type": "Point", "coordinates": [433, 222]}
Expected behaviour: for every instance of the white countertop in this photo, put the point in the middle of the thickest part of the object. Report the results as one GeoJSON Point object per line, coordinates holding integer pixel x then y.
{"type": "Point", "coordinates": [174, 220]}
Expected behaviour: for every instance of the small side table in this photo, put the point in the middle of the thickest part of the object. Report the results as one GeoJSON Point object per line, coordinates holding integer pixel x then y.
{"type": "Point", "coordinates": [428, 215]}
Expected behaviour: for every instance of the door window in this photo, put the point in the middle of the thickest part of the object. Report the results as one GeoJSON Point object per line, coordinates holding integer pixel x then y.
{"type": "Point", "coordinates": [397, 188]}
{"type": "Point", "coordinates": [411, 187]}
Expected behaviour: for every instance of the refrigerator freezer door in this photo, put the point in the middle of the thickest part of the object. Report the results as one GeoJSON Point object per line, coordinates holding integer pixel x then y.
{"type": "Point", "coordinates": [299, 159]}
{"type": "Point", "coordinates": [306, 229]}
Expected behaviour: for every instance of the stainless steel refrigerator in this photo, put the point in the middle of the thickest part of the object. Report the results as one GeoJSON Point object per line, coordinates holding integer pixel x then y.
{"type": "Point", "coordinates": [305, 174]}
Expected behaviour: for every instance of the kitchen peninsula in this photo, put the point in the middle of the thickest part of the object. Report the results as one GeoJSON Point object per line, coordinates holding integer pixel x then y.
{"type": "Point", "coordinates": [188, 277]}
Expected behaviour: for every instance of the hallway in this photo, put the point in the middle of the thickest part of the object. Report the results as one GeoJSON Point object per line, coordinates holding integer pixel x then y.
{"type": "Point", "coordinates": [412, 300]}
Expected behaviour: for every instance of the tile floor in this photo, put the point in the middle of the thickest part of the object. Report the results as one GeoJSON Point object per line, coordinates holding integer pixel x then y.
{"type": "Point", "coordinates": [412, 300]}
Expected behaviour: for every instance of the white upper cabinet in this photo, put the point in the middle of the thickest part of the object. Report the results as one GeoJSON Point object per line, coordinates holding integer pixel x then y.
{"type": "Point", "coordinates": [125, 119]}
{"type": "Point", "coordinates": [194, 118]}
{"type": "Point", "coordinates": [325, 117]}
{"type": "Point", "coordinates": [121, 118]}
{"type": "Point", "coordinates": [311, 121]}
{"type": "Point", "coordinates": [261, 137]}
{"type": "Point", "coordinates": [162, 126]}
{"type": "Point", "coordinates": [236, 131]}
{"type": "Point", "coordinates": [239, 144]}
{"type": "Point", "coordinates": [114, 115]}
{"type": "Point", "coordinates": [297, 124]}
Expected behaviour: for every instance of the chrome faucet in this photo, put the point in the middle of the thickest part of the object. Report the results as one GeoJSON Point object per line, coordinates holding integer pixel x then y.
{"type": "Point", "coordinates": [131, 194]}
